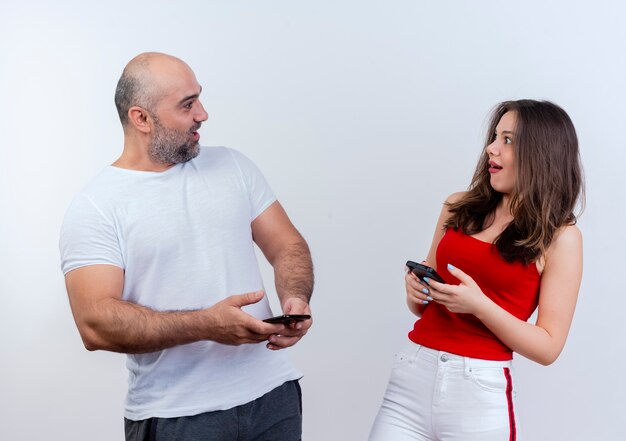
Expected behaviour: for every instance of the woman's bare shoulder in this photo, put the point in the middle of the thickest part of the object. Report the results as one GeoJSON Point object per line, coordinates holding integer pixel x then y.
{"type": "Point", "coordinates": [567, 244]}
{"type": "Point", "coordinates": [568, 236]}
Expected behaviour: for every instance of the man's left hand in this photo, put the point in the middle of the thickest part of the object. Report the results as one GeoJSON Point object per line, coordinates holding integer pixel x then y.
{"type": "Point", "coordinates": [295, 330]}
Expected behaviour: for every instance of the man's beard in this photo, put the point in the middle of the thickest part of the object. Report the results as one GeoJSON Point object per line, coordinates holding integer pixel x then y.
{"type": "Point", "coordinates": [170, 146]}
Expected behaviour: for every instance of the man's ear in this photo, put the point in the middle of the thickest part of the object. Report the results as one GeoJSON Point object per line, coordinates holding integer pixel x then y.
{"type": "Point", "coordinates": [140, 119]}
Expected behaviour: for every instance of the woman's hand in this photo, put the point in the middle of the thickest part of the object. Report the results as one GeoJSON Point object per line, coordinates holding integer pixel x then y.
{"type": "Point", "coordinates": [417, 292]}
{"type": "Point", "coordinates": [465, 297]}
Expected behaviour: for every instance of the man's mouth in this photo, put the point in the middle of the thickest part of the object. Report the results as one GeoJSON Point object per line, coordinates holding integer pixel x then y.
{"type": "Point", "coordinates": [194, 132]}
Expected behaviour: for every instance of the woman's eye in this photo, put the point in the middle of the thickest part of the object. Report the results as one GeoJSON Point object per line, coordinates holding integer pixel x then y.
{"type": "Point", "coordinates": [508, 140]}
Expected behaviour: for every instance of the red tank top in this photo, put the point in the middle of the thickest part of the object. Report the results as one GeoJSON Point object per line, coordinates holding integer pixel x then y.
{"type": "Point", "coordinates": [513, 286]}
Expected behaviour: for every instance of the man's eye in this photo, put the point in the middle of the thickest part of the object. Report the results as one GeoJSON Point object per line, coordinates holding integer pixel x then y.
{"type": "Point", "coordinates": [189, 105]}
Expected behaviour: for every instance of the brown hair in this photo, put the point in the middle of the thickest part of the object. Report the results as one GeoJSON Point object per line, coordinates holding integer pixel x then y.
{"type": "Point", "coordinates": [548, 186]}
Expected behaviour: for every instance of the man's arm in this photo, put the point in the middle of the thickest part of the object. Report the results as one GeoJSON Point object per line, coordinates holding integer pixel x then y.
{"type": "Point", "coordinates": [289, 255]}
{"type": "Point", "coordinates": [107, 322]}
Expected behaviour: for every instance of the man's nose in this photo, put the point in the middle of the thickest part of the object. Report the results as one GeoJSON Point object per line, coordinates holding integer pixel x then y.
{"type": "Point", "coordinates": [201, 114]}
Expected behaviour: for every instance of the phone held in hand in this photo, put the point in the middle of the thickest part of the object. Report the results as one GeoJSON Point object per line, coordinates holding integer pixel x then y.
{"type": "Point", "coordinates": [422, 271]}
{"type": "Point", "coordinates": [287, 318]}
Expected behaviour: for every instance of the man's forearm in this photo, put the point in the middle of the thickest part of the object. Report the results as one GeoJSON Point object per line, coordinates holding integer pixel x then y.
{"type": "Point", "coordinates": [293, 272]}
{"type": "Point", "coordinates": [130, 328]}
{"type": "Point", "coordinates": [116, 325]}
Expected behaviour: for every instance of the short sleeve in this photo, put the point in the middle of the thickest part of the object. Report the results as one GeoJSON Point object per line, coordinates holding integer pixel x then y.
{"type": "Point", "coordinates": [87, 237]}
{"type": "Point", "coordinates": [260, 194]}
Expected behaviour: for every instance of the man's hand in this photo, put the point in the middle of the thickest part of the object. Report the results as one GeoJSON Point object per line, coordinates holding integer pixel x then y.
{"type": "Point", "coordinates": [295, 330]}
{"type": "Point", "coordinates": [106, 322]}
{"type": "Point", "coordinates": [231, 326]}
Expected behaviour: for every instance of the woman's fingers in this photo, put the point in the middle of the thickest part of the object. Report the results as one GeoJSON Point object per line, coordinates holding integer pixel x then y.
{"type": "Point", "coordinates": [417, 289]}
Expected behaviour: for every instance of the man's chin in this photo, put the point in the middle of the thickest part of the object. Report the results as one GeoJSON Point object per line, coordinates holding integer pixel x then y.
{"type": "Point", "coordinates": [183, 153]}
{"type": "Point", "coordinates": [194, 150]}
{"type": "Point", "coordinates": [187, 153]}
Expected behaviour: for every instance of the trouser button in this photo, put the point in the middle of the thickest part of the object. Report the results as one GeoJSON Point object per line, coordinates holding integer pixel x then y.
{"type": "Point", "coordinates": [444, 357]}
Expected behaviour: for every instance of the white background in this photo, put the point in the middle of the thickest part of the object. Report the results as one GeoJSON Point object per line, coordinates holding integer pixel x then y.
{"type": "Point", "coordinates": [364, 116]}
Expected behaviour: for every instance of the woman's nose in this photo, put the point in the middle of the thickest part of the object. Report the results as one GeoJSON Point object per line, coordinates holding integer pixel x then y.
{"type": "Point", "coordinates": [493, 148]}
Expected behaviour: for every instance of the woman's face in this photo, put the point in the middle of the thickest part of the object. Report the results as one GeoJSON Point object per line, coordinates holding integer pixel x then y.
{"type": "Point", "coordinates": [501, 153]}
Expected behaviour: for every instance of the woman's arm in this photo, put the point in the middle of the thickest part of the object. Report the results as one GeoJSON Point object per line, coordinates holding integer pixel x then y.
{"type": "Point", "coordinates": [415, 297]}
{"type": "Point", "coordinates": [560, 281]}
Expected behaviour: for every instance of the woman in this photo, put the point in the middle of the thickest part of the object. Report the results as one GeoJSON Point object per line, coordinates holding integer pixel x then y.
{"type": "Point", "coordinates": [507, 246]}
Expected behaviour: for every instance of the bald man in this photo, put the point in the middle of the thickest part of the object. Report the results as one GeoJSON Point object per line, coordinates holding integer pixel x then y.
{"type": "Point", "coordinates": [159, 263]}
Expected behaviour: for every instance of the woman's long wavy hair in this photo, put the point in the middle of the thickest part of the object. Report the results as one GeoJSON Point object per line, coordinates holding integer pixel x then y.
{"type": "Point", "coordinates": [548, 187]}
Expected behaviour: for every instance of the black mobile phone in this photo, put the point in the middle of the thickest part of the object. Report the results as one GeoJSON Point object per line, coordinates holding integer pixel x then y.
{"type": "Point", "coordinates": [422, 271]}
{"type": "Point", "coordinates": [288, 318]}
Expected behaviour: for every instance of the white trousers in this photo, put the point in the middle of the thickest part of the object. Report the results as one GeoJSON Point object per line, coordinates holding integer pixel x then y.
{"type": "Point", "coordinates": [437, 396]}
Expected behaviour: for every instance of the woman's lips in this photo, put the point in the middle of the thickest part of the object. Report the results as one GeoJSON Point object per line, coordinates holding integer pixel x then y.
{"type": "Point", "coordinates": [494, 167]}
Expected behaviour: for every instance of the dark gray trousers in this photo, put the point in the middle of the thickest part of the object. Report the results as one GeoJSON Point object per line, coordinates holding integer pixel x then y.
{"type": "Point", "coordinates": [276, 416]}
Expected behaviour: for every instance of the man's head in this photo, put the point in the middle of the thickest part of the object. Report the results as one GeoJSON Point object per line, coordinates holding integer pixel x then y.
{"type": "Point", "coordinates": [157, 99]}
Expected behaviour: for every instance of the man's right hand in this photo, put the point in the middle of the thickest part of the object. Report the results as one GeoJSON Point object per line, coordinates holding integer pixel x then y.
{"type": "Point", "coordinates": [231, 326]}
{"type": "Point", "coordinates": [106, 322]}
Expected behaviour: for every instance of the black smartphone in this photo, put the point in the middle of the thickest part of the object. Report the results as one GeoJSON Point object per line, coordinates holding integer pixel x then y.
{"type": "Point", "coordinates": [422, 271]}
{"type": "Point", "coordinates": [288, 318]}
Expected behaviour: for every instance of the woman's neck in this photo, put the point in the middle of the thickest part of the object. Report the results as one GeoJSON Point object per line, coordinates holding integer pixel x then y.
{"type": "Point", "coordinates": [496, 221]}
{"type": "Point", "coordinates": [502, 213]}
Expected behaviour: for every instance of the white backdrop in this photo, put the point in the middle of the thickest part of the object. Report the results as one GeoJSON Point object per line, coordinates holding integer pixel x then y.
{"type": "Point", "coordinates": [364, 116]}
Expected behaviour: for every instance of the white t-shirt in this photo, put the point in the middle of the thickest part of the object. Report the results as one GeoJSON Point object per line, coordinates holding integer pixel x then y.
{"type": "Point", "coordinates": [183, 238]}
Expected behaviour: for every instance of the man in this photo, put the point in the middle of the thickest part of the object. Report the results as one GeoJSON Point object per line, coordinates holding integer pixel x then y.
{"type": "Point", "coordinates": [159, 263]}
